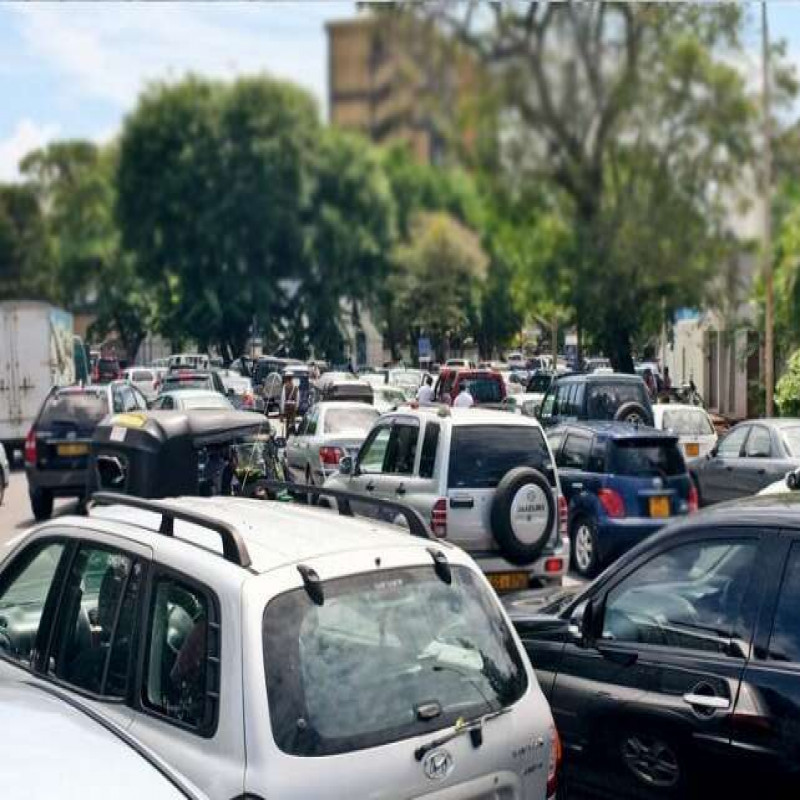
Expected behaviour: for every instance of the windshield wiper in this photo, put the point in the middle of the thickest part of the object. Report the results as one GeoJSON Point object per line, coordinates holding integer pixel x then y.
{"type": "Point", "coordinates": [474, 727]}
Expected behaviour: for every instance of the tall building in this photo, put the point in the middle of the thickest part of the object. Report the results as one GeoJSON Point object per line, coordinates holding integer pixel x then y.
{"type": "Point", "coordinates": [391, 86]}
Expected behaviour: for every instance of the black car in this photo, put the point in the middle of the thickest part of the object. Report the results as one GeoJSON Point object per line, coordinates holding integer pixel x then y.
{"type": "Point", "coordinates": [57, 445]}
{"type": "Point", "coordinates": [676, 673]}
{"type": "Point", "coordinates": [600, 397]}
{"type": "Point", "coordinates": [750, 457]}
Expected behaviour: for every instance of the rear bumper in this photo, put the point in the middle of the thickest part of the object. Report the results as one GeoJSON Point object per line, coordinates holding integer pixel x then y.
{"type": "Point", "coordinates": [62, 483]}
{"type": "Point", "coordinates": [617, 536]}
{"type": "Point", "coordinates": [549, 568]}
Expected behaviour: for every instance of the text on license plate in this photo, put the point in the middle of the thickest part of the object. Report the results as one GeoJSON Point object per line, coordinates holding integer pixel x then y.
{"type": "Point", "coordinates": [77, 449]}
{"type": "Point", "coordinates": [692, 449]}
{"type": "Point", "coordinates": [659, 506]}
{"type": "Point", "coordinates": [508, 581]}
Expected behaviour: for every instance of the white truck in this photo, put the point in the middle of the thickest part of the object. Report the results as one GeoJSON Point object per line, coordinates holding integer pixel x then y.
{"type": "Point", "coordinates": [36, 353]}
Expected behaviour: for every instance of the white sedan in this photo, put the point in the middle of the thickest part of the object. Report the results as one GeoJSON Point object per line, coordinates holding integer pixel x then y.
{"type": "Point", "coordinates": [691, 424]}
{"type": "Point", "coordinates": [192, 400]}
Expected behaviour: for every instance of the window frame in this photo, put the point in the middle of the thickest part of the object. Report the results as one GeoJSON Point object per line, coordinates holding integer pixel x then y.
{"type": "Point", "coordinates": [747, 428]}
{"type": "Point", "coordinates": [758, 429]}
{"type": "Point", "coordinates": [390, 458]}
{"type": "Point", "coordinates": [578, 437]}
{"type": "Point", "coordinates": [371, 437]}
{"type": "Point", "coordinates": [436, 436]}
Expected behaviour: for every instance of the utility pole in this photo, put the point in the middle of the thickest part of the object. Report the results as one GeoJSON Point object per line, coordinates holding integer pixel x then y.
{"type": "Point", "coordinates": [769, 289]}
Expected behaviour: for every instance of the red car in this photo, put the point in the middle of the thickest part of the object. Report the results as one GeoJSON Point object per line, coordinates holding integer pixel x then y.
{"type": "Point", "coordinates": [485, 385]}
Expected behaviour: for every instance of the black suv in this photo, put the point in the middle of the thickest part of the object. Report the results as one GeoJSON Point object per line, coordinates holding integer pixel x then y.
{"type": "Point", "coordinates": [604, 397]}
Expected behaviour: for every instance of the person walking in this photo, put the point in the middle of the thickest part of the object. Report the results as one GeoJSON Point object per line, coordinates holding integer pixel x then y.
{"type": "Point", "coordinates": [290, 395]}
{"type": "Point", "coordinates": [667, 380]}
{"type": "Point", "coordinates": [425, 392]}
{"type": "Point", "coordinates": [464, 398]}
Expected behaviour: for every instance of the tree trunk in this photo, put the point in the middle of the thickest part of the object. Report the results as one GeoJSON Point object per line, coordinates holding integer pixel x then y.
{"type": "Point", "coordinates": [620, 350]}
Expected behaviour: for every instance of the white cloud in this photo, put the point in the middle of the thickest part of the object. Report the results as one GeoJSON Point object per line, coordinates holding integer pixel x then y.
{"type": "Point", "coordinates": [26, 136]}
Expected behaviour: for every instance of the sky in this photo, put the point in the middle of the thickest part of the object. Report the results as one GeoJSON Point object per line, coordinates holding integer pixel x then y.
{"type": "Point", "coordinates": [74, 70]}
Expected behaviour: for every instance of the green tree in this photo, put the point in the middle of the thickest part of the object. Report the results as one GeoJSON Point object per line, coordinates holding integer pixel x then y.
{"type": "Point", "coordinates": [787, 392]}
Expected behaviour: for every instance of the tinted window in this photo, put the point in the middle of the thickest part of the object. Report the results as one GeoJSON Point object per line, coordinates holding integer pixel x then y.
{"type": "Point", "coordinates": [759, 443]}
{"type": "Point", "coordinates": [481, 455]}
{"type": "Point", "coordinates": [327, 666]}
{"type": "Point", "coordinates": [430, 443]}
{"type": "Point", "coordinates": [689, 597]}
{"type": "Point", "coordinates": [731, 445]}
{"type": "Point", "coordinates": [372, 455]}
{"type": "Point", "coordinates": [539, 384]}
{"type": "Point", "coordinates": [605, 399]}
{"type": "Point", "coordinates": [784, 644]}
{"type": "Point", "coordinates": [311, 428]}
{"type": "Point", "coordinates": [71, 409]}
{"type": "Point", "coordinates": [345, 420]}
{"type": "Point", "coordinates": [645, 457]}
{"type": "Point", "coordinates": [687, 422]}
{"type": "Point", "coordinates": [173, 382]}
{"type": "Point", "coordinates": [402, 449]}
{"type": "Point", "coordinates": [485, 389]}
{"type": "Point", "coordinates": [575, 453]}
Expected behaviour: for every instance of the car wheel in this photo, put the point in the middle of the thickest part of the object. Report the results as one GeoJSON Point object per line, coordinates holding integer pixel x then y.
{"type": "Point", "coordinates": [633, 413]}
{"type": "Point", "coordinates": [585, 551]}
{"type": "Point", "coordinates": [654, 762]}
{"type": "Point", "coordinates": [41, 504]}
{"type": "Point", "coordinates": [311, 499]}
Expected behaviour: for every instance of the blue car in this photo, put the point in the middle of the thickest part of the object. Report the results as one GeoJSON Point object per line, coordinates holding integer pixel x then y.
{"type": "Point", "coordinates": [622, 482]}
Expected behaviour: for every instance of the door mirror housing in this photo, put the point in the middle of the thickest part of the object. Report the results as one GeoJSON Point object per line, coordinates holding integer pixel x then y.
{"type": "Point", "coordinates": [347, 465]}
{"type": "Point", "coordinates": [581, 623]}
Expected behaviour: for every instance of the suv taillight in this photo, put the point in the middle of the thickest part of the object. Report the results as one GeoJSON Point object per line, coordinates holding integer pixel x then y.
{"type": "Point", "coordinates": [554, 763]}
{"type": "Point", "coordinates": [331, 456]}
{"type": "Point", "coordinates": [563, 515]}
{"type": "Point", "coordinates": [30, 448]}
{"type": "Point", "coordinates": [612, 502]}
{"type": "Point", "coordinates": [694, 499]}
{"type": "Point", "coordinates": [439, 518]}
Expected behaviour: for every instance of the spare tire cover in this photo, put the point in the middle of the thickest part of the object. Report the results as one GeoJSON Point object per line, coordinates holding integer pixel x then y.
{"type": "Point", "coordinates": [628, 411]}
{"type": "Point", "coordinates": [523, 514]}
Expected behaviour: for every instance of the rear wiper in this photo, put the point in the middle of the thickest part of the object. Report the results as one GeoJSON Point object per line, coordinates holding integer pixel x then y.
{"type": "Point", "coordinates": [474, 727]}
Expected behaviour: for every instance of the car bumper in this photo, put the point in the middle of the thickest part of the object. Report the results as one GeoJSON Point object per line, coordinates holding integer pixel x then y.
{"type": "Point", "coordinates": [617, 536]}
{"type": "Point", "coordinates": [62, 483]}
{"type": "Point", "coordinates": [549, 568]}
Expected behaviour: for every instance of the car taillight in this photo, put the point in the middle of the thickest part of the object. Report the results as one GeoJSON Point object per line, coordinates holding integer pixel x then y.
{"type": "Point", "coordinates": [694, 499]}
{"type": "Point", "coordinates": [612, 502]}
{"type": "Point", "coordinates": [554, 763]}
{"type": "Point", "coordinates": [30, 448]}
{"type": "Point", "coordinates": [553, 565]}
{"type": "Point", "coordinates": [563, 515]}
{"type": "Point", "coordinates": [439, 518]}
{"type": "Point", "coordinates": [331, 456]}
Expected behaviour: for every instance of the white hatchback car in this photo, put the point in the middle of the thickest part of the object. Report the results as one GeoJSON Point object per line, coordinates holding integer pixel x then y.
{"type": "Point", "coordinates": [691, 424]}
{"type": "Point", "coordinates": [283, 652]}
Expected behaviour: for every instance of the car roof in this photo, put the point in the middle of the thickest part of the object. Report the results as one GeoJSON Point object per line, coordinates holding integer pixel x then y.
{"type": "Point", "coordinates": [593, 377]}
{"type": "Point", "coordinates": [183, 393]}
{"type": "Point", "coordinates": [776, 422]}
{"type": "Point", "coordinates": [619, 430]}
{"type": "Point", "coordinates": [346, 405]}
{"type": "Point", "coordinates": [193, 423]}
{"type": "Point", "coordinates": [465, 417]}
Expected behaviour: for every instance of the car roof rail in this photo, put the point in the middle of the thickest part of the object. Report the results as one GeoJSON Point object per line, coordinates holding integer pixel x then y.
{"type": "Point", "coordinates": [416, 525]}
{"type": "Point", "coordinates": [234, 548]}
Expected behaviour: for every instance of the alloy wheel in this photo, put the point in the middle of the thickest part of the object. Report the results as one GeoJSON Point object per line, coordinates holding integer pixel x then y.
{"type": "Point", "coordinates": [652, 761]}
{"type": "Point", "coordinates": [584, 547]}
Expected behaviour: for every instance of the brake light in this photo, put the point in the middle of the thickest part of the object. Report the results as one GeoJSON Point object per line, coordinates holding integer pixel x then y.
{"type": "Point", "coordinates": [248, 401]}
{"type": "Point", "coordinates": [694, 499]}
{"type": "Point", "coordinates": [553, 565]}
{"type": "Point", "coordinates": [439, 518]}
{"type": "Point", "coordinates": [563, 515]}
{"type": "Point", "coordinates": [331, 456]}
{"type": "Point", "coordinates": [554, 763]}
{"type": "Point", "coordinates": [30, 448]}
{"type": "Point", "coordinates": [612, 503]}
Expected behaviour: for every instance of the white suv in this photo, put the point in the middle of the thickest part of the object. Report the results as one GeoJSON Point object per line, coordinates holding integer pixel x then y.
{"type": "Point", "coordinates": [485, 480]}
{"type": "Point", "coordinates": [267, 650]}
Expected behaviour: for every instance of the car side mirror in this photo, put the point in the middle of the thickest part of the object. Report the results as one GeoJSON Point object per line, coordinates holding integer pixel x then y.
{"type": "Point", "coordinates": [581, 624]}
{"type": "Point", "coordinates": [346, 465]}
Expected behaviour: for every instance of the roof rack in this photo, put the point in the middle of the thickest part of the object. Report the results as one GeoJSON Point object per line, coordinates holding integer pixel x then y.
{"type": "Point", "coordinates": [234, 548]}
{"type": "Point", "coordinates": [416, 525]}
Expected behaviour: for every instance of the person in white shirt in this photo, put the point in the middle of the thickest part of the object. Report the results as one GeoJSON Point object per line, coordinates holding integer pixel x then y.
{"type": "Point", "coordinates": [425, 392]}
{"type": "Point", "coordinates": [464, 398]}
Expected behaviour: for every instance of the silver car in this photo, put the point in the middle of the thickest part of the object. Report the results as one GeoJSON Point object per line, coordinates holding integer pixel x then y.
{"type": "Point", "coordinates": [327, 433]}
{"type": "Point", "coordinates": [191, 400]}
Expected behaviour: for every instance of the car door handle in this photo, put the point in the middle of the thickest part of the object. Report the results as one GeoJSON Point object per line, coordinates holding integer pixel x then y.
{"type": "Point", "coordinates": [625, 658]}
{"type": "Point", "coordinates": [708, 702]}
{"type": "Point", "coordinates": [401, 489]}
{"type": "Point", "coordinates": [762, 472]}
{"type": "Point", "coordinates": [370, 487]}
{"type": "Point", "coordinates": [462, 502]}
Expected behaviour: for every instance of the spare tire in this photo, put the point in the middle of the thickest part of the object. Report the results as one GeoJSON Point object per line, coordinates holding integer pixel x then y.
{"type": "Point", "coordinates": [634, 413]}
{"type": "Point", "coordinates": [523, 513]}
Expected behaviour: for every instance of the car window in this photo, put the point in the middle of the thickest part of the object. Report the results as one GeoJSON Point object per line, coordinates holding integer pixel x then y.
{"type": "Point", "coordinates": [575, 453]}
{"type": "Point", "coordinates": [687, 422]}
{"type": "Point", "coordinates": [73, 409]}
{"type": "Point", "coordinates": [759, 443]}
{"type": "Point", "coordinates": [784, 643]}
{"type": "Point", "coordinates": [141, 375]}
{"type": "Point", "coordinates": [549, 405]}
{"type": "Point", "coordinates": [791, 438]}
{"type": "Point", "coordinates": [373, 453]}
{"type": "Point", "coordinates": [645, 457]}
{"type": "Point", "coordinates": [485, 388]}
{"type": "Point", "coordinates": [94, 628]}
{"type": "Point", "coordinates": [605, 399]}
{"type": "Point", "coordinates": [177, 653]}
{"type": "Point", "coordinates": [118, 400]}
{"type": "Point", "coordinates": [168, 403]}
{"type": "Point", "coordinates": [311, 427]}
{"type": "Point", "coordinates": [430, 443]}
{"type": "Point", "coordinates": [23, 592]}
{"type": "Point", "coordinates": [402, 449]}
{"type": "Point", "coordinates": [346, 420]}
{"type": "Point", "coordinates": [562, 400]}
{"type": "Point", "coordinates": [689, 597]}
{"type": "Point", "coordinates": [731, 445]}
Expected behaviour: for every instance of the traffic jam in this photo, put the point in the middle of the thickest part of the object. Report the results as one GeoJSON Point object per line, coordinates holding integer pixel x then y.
{"type": "Point", "coordinates": [281, 579]}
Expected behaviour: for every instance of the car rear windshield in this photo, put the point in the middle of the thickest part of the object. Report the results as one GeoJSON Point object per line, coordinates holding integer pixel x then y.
{"type": "Point", "coordinates": [173, 382]}
{"type": "Point", "coordinates": [645, 458]}
{"type": "Point", "coordinates": [484, 389]}
{"type": "Point", "coordinates": [687, 422]}
{"type": "Point", "coordinates": [79, 409]}
{"type": "Point", "coordinates": [388, 656]}
{"type": "Point", "coordinates": [539, 384]}
{"type": "Point", "coordinates": [605, 399]}
{"type": "Point", "coordinates": [340, 420]}
{"type": "Point", "coordinates": [480, 455]}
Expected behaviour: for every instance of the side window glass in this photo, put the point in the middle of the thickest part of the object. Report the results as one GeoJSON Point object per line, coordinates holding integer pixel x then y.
{"type": "Point", "coordinates": [430, 444]}
{"type": "Point", "coordinates": [23, 594]}
{"type": "Point", "coordinates": [555, 440]}
{"type": "Point", "coordinates": [575, 454]}
{"type": "Point", "coordinates": [373, 453]}
{"type": "Point", "coordinates": [89, 620]}
{"type": "Point", "coordinates": [118, 402]}
{"type": "Point", "coordinates": [177, 664]}
{"type": "Point", "coordinates": [731, 445]}
{"type": "Point", "coordinates": [577, 401]}
{"type": "Point", "coordinates": [597, 458]}
{"type": "Point", "coordinates": [402, 451]}
{"type": "Point", "coordinates": [311, 427]}
{"type": "Point", "coordinates": [784, 643]}
{"type": "Point", "coordinates": [689, 598]}
{"type": "Point", "coordinates": [168, 404]}
{"type": "Point", "coordinates": [759, 443]}
{"type": "Point", "coordinates": [548, 405]}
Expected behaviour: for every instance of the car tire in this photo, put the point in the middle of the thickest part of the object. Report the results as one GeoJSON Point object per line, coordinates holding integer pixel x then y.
{"type": "Point", "coordinates": [634, 413]}
{"type": "Point", "coordinates": [522, 516]}
{"type": "Point", "coordinates": [41, 504]}
{"type": "Point", "coordinates": [584, 547]}
{"type": "Point", "coordinates": [654, 763]}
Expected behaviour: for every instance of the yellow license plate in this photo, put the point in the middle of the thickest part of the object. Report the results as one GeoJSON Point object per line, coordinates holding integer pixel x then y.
{"type": "Point", "coordinates": [508, 581]}
{"type": "Point", "coordinates": [72, 449]}
{"type": "Point", "coordinates": [659, 506]}
{"type": "Point", "coordinates": [693, 449]}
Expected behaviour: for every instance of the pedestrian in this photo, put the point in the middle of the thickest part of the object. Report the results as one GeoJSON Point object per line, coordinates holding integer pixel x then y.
{"type": "Point", "coordinates": [650, 382]}
{"type": "Point", "coordinates": [667, 380]}
{"type": "Point", "coordinates": [425, 392]}
{"type": "Point", "coordinates": [464, 398]}
{"type": "Point", "coordinates": [288, 404]}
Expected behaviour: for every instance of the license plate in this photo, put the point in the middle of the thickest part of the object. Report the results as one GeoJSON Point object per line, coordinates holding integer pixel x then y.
{"type": "Point", "coordinates": [508, 581]}
{"type": "Point", "coordinates": [659, 507]}
{"type": "Point", "coordinates": [693, 449]}
{"type": "Point", "coordinates": [68, 450]}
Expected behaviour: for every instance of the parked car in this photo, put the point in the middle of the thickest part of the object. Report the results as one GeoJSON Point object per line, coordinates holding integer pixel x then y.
{"type": "Point", "coordinates": [388, 398]}
{"type": "Point", "coordinates": [538, 384]}
{"type": "Point", "coordinates": [328, 432]}
{"type": "Point", "coordinates": [146, 380]}
{"type": "Point", "coordinates": [55, 745]}
{"type": "Point", "coordinates": [622, 484]}
{"type": "Point", "coordinates": [191, 400]}
{"type": "Point", "coordinates": [618, 397]}
{"type": "Point", "coordinates": [5, 473]}
{"type": "Point", "coordinates": [351, 391]}
{"type": "Point", "coordinates": [691, 424]}
{"type": "Point", "coordinates": [677, 672]}
{"type": "Point", "coordinates": [239, 390]}
{"type": "Point", "coordinates": [283, 652]}
{"type": "Point", "coordinates": [408, 380]}
{"type": "Point", "coordinates": [57, 446]}
{"type": "Point", "coordinates": [517, 360]}
{"type": "Point", "coordinates": [484, 480]}
{"type": "Point", "coordinates": [199, 361]}
{"type": "Point", "coordinates": [750, 457]}
{"type": "Point", "coordinates": [485, 386]}
{"type": "Point", "coordinates": [181, 378]}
